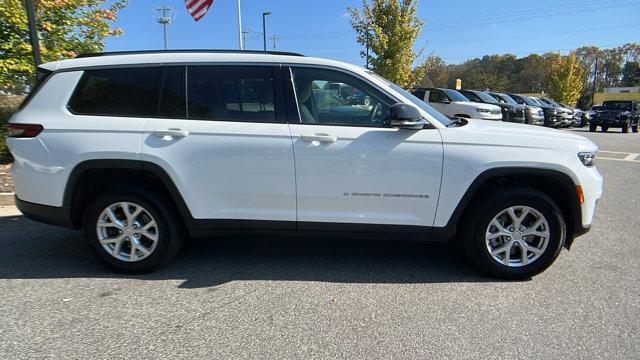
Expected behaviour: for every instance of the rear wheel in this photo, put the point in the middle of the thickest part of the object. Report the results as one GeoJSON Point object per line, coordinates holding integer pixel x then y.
{"type": "Point", "coordinates": [634, 128]}
{"type": "Point", "coordinates": [592, 128]}
{"type": "Point", "coordinates": [132, 230]}
{"type": "Point", "coordinates": [625, 128]}
{"type": "Point", "coordinates": [515, 234]}
{"type": "Point", "coordinates": [605, 128]}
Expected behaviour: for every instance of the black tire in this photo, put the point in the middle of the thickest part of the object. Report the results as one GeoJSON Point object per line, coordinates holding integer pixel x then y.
{"type": "Point", "coordinates": [168, 228]}
{"type": "Point", "coordinates": [488, 207]}
{"type": "Point", "coordinates": [592, 128]}
{"type": "Point", "coordinates": [605, 128]}
{"type": "Point", "coordinates": [634, 128]}
{"type": "Point", "coordinates": [625, 129]}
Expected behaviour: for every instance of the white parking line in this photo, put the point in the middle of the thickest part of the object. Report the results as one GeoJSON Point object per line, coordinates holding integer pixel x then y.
{"type": "Point", "coordinates": [629, 157]}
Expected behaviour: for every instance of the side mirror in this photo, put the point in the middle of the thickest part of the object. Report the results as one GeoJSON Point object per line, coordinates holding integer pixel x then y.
{"type": "Point", "coordinates": [445, 101]}
{"type": "Point", "coordinates": [405, 116]}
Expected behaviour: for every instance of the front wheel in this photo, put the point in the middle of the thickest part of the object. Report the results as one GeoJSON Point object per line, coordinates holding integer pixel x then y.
{"type": "Point", "coordinates": [592, 128]}
{"type": "Point", "coordinates": [634, 128]}
{"type": "Point", "coordinates": [605, 128]}
{"type": "Point", "coordinates": [515, 234]}
{"type": "Point", "coordinates": [132, 230]}
{"type": "Point", "coordinates": [625, 129]}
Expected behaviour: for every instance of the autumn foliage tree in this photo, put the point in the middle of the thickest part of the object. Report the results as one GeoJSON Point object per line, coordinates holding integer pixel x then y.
{"type": "Point", "coordinates": [566, 79]}
{"type": "Point", "coordinates": [65, 28]}
{"type": "Point", "coordinates": [390, 28]}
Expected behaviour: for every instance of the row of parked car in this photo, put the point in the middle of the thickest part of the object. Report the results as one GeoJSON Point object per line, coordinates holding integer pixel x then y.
{"type": "Point", "coordinates": [486, 105]}
{"type": "Point", "coordinates": [502, 107]}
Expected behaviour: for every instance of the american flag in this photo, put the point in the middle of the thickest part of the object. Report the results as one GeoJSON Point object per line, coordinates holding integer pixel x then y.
{"type": "Point", "coordinates": [198, 8]}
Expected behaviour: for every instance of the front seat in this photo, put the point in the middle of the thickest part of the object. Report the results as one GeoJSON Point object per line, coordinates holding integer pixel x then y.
{"type": "Point", "coordinates": [305, 99]}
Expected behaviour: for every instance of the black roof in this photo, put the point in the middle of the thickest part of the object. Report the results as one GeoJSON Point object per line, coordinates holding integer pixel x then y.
{"type": "Point", "coordinates": [210, 51]}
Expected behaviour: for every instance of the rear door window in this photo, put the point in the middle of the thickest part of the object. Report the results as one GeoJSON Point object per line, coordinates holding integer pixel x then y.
{"type": "Point", "coordinates": [173, 103]}
{"type": "Point", "coordinates": [436, 96]}
{"type": "Point", "coordinates": [230, 93]}
{"type": "Point", "coordinates": [117, 92]}
{"type": "Point", "coordinates": [420, 94]}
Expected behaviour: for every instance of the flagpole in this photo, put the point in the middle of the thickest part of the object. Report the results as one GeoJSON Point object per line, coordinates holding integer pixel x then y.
{"type": "Point", "coordinates": [239, 26]}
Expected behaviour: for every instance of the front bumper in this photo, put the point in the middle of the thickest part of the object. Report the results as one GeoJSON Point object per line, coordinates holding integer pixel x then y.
{"type": "Point", "coordinates": [552, 121]}
{"type": "Point", "coordinates": [592, 184]}
{"type": "Point", "coordinates": [492, 117]}
{"type": "Point", "coordinates": [615, 123]}
{"type": "Point", "coordinates": [535, 119]}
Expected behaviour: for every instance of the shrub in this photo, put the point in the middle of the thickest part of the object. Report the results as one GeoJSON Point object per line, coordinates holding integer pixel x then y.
{"type": "Point", "coordinates": [8, 104]}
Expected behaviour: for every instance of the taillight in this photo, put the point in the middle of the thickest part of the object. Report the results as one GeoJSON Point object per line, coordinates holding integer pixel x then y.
{"type": "Point", "coordinates": [23, 130]}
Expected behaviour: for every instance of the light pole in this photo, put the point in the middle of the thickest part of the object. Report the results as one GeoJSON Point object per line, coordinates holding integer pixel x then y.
{"type": "Point", "coordinates": [166, 18]}
{"type": "Point", "coordinates": [240, 45]}
{"type": "Point", "coordinates": [33, 33]}
{"type": "Point", "coordinates": [264, 28]}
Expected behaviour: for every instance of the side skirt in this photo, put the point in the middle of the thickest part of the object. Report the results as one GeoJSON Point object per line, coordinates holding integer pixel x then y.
{"type": "Point", "coordinates": [224, 228]}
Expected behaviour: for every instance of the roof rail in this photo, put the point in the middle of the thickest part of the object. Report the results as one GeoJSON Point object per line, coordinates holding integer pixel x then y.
{"type": "Point", "coordinates": [211, 51]}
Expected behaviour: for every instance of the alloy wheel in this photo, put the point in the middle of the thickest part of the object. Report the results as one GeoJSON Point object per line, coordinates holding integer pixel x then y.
{"type": "Point", "coordinates": [517, 236]}
{"type": "Point", "coordinates": [127, 231]}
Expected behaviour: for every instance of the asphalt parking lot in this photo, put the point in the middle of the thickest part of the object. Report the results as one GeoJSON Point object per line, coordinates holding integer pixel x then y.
{"type": "Point", "coordinates": [301, 298]}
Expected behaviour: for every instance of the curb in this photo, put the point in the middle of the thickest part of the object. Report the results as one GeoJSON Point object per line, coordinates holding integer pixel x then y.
{"type": "Point", "coordinates": [7, 199]}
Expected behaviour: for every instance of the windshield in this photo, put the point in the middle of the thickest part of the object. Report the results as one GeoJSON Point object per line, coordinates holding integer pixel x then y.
{"type": "Point", "coordinates": [616, 105]}
{"type": "Point", "coordinates": [532, 101]}
{"type": "Point", "coordinates": [549, 101]}
{"type": "Point", "coordinates": [454, 95]}
{"type": "Point", "coordinates": [507, 99]}
{"type": "Point", "coordinates": [417, 102]}
{"type": "Point", "coordinates": [486, 97]}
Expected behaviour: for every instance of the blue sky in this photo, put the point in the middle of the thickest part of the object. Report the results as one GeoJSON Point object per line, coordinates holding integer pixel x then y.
{"type": "Point", "coordinates": [455, 30]}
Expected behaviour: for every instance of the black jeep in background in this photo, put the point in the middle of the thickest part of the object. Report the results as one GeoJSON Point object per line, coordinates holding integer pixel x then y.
{"type": "Point", "coordinates": [616, 114]}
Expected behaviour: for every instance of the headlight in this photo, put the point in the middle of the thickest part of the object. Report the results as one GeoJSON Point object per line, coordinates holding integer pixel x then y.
{"type": "Point", "coordinates": [483, 110]}
{"type": "Point", "coordinates": [588, 159]}
{"type": "Point", "coordinates": [623, 115]}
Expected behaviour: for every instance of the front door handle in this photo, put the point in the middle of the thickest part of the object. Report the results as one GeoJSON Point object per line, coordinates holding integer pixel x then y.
{"type": "Point", "coordinates": [174, 133]}
{"type": "Point", "coordinates": [323, 138]}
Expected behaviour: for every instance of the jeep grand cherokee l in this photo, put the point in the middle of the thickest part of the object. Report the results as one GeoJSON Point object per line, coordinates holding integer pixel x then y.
{"type": "Point", "coordinates": [141, 149]}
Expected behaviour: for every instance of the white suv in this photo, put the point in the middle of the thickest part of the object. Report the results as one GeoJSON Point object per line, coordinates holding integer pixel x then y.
{"type": "Point", "coordinates": [140, 149]}
{"type": "Point", "coordinates": [453, 103]}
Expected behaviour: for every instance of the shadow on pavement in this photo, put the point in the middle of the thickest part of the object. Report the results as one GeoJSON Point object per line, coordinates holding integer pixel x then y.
{"type": "Point", "coordinates": [611, 131]}
{"type": "Point", "coordinates": [36, 251]}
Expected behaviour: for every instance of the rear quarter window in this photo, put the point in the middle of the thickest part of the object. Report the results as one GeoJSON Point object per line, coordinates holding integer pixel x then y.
{"type": "Point", "coordinates": [117, 92]}
{"type": "Point", "coordinates": [42, 76]}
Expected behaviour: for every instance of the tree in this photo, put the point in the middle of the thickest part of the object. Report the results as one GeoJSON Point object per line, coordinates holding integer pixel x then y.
{"type": "Point", "coordinates": [532, 75]}
{"type": "Point", "coordinates": [65, 27]}
{"type": "Point", "coordinates": [434, 72]}
{"type": "Point", "coordinates": [631, 74]}
{"type": "Point", "coordinates": [390, 29]}
{"type": "Point", "coordinates": [566, 78]}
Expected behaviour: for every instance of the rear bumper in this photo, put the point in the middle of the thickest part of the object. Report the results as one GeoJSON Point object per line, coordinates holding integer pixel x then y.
{"type": "Point", "coordinates": [58, 216]}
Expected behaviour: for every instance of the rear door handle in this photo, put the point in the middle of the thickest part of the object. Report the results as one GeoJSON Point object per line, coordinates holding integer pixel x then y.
{"type": "Point", "coordinates": [176, 133]}
{"type": "Point", "coordinates": [323, 138]}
